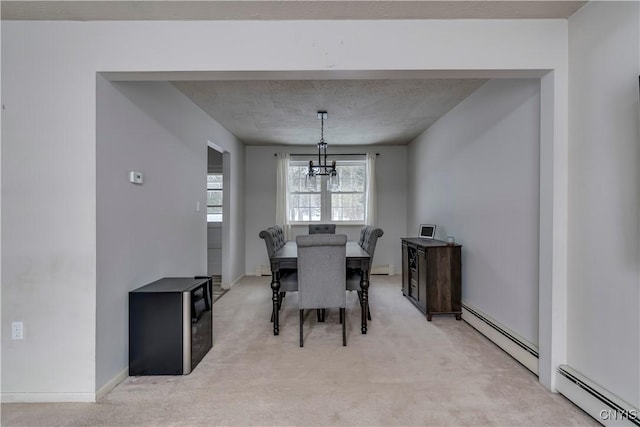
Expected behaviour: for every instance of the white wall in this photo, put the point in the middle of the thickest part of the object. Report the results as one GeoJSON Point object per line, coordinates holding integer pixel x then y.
{"type": "Point", "coordinates": [475, 174]}
{"type": "Point", "coordinates": [149, 231]}
{"type": "Point", "coordinates": [604, 186]}
{"type": "Point", "coordinates": [392, 198]}
{"type": "Point", "coordinates": [48, 225]}
{"type": "Point", "coordinates": [233, 232]}
{"type": "Point", "coordinates": [49, 136]}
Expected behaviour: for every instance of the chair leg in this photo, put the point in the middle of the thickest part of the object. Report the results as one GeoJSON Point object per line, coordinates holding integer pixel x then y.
{"type": "Point", "coordinates": [344, 327]}
{"type": "Point", "coordinates": [301, 322]}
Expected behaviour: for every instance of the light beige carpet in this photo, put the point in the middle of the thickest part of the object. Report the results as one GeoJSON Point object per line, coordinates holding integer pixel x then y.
{"type": "Point", "coordinates": [404, 372]}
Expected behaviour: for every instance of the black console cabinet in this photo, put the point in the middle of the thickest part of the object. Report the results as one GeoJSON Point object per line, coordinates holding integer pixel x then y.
{"type": "Point", "coordinates": [170, 326]}
{"type": "Point", "coordinates": [431, 276]}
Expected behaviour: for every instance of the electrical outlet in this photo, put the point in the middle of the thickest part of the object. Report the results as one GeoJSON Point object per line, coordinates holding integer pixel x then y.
{"type": "Point", "coordinates": [17, 330]}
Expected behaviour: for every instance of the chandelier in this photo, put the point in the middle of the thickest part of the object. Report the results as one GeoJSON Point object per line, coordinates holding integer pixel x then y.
{"type": "Point", "coordinates": [322, 168]}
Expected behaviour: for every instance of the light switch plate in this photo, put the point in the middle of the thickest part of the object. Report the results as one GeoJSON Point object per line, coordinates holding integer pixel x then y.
{"type": "Point", "coordinates": [17, 330]}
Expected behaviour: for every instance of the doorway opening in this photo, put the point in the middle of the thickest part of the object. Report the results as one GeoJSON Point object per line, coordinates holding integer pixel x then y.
{"type": "Point", "coordinates": [215, 219]}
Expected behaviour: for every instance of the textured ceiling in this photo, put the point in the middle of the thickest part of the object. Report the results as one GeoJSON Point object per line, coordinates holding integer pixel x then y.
{"type": "Point", "coordinates": [360, 111]}
{"type": "Point", "coordinates": [84, 10]}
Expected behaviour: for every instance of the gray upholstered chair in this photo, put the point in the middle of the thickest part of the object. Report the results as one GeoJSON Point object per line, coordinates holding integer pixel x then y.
{"type": "Point", "coordinates": [363, 231]}
{"type": "Point", "coordinates": [274, 240]}
{"type": "Point", "coordinates": [322, 229]}
{"type": "Point", "coordinates": [322, 262]}
{"type": "Point", "coordinates": [368, 239]}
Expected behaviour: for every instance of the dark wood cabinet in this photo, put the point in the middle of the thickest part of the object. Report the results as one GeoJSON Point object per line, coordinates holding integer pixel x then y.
{"type": "Point", "coordinates": [431, 276]}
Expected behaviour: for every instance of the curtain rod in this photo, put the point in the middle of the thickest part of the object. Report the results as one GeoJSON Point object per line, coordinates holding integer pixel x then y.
{"type": "Point", "coordinates": [329, 155]}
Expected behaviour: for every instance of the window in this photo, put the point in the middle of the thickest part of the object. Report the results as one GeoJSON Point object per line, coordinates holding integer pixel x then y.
{"type": "Point", "coordinates": [214, 197]}
{"type": "Point", "coordinates": [320, 204]}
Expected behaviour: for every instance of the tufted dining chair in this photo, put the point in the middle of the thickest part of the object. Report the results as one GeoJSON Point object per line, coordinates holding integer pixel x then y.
{"type": "Point", "coordinates": [322, 261]}
{"type": "Point", "coordinates": [368, 240]}
{"type": "Point", "coordinates": [274, 240]}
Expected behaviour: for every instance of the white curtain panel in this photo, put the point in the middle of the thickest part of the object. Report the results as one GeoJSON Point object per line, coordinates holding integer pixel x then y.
{"type": "Point", "coordinates": [371, 202]}
{"type": "Point", "coordinates": [282, 191]}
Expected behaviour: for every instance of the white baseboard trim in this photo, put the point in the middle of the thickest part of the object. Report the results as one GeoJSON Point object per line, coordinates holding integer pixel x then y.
{"type": "Point", "coordinates": [517, 347]}
{"type": "Point", "coordinates": [601, 404]}
{"type": "Point", "coordinates": [242, 276]}
{"type": "Point", "coordinates": [47, 397]}
{"type": "Point", "coordinates": [112, 383]}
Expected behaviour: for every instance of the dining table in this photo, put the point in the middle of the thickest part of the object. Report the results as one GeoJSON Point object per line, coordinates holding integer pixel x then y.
{"type": "Point", "coordinates": [287, 258]}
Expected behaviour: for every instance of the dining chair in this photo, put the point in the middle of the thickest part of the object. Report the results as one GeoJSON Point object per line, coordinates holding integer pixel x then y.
{"type": "Point", "coordinates": [322, 261]}
{"type": "Point", "coordinates": [274, 240]}
{"type": "Point", "coordinates": [363, 231]}
{"type": "Point", "coordinates": [368, 240]}
{"type": "Point", "coordinates": [322, 229]}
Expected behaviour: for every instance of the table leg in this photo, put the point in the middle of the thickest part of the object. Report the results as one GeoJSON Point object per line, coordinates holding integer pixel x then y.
{"type": "Point", "coordinates": [364, 284]}
{"type": "Point", "coordinates": [275, 287]}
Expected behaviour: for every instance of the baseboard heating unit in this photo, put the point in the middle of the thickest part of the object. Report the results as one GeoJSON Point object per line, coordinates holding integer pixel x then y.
{"type": "Point", "coordinates": [517, 347]}
{"type": "Point", "coordinates": [263, 270]}
{"type": "Point", "coordinates": [598, 402]}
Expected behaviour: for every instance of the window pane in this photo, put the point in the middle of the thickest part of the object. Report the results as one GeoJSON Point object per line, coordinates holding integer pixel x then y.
{"type": "Point", "coordinates": [214, 182]}
{"type": "Point", "coordinates": [298, 179]}
{"type": "Point", "coordinates": [347, 207]}
{"type": "Point", "coordinates": [214, 197]}
{"type": "Point", "coordinates": [297, 176]}
{"type": "Point", "coordinates": [304, 207]}
{"type": "Point", "coordinates": [352, 177]}
{"type": "Point", "coordinates": [214, 213]}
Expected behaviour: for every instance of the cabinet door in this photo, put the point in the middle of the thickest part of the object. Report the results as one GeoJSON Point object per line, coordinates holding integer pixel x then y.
{"type": "Point", "coordinates": [405, 269]}
{"type": "Point", "coordinates": [423, 274]}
